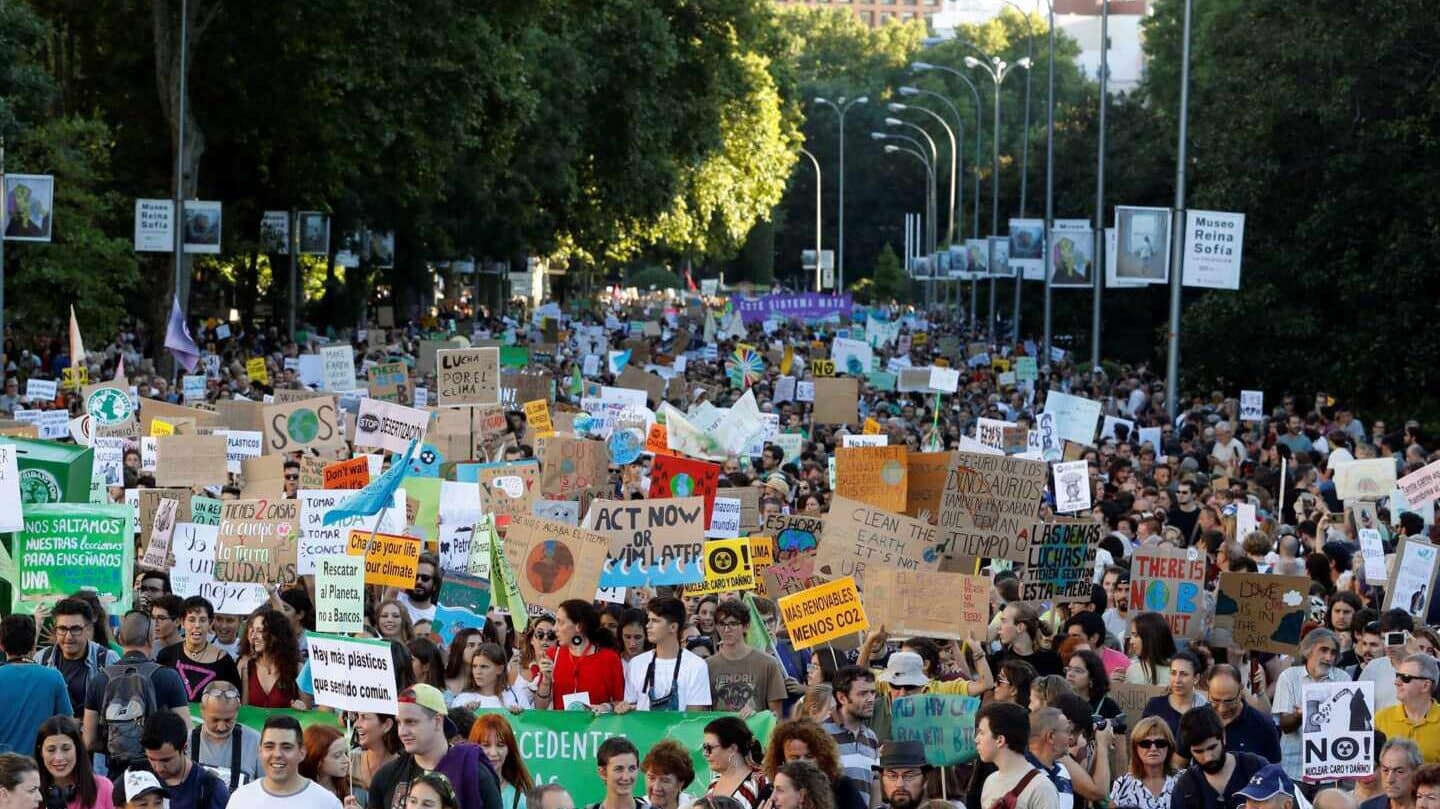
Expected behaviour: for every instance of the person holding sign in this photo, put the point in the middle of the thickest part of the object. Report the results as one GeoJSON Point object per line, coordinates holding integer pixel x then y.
{"type": "Point", "coordinates": [667, 664]}
{"type": "Point", "coordinates": [584, 668]}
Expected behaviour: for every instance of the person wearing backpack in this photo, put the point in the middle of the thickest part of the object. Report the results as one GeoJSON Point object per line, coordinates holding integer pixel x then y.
{"type": "Point", "coordinates": [74, 654]}
{"type": "Point", "coordinates": [123, 695]}
{"type": "Point", "coordinates": [190, 786]}
{"type": "Point", "coordinates": [1002, 733]}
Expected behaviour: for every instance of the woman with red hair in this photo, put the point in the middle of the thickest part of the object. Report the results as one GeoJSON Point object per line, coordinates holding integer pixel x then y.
{"type": "Point", "coordinates": [327, 759]}
{"type": "Point", "coordinates": [493, 733]}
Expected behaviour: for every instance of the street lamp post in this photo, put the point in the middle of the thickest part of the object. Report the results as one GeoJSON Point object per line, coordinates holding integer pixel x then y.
{"type": "Point", "coordinates": [1100, 245]}
{"type": "Point", "coordinates": [957, 199]}
{"type": "Point", "coordinates": [997, 70]}
{"type": "Point", "coordinates": [950, 232]}
{"type": "Point", "coordinates": [919, 154]}
{"type": "Point", "coordinates": [819, 260]}
{"type": "Point", "coordinates": [1024, 160]}
{"type": "Point", "coordinates": [1049, 176]}
{"type": "Point", "coordinates": [1177, 230]}
{"type": "Point", "coordinates": [841, 108]}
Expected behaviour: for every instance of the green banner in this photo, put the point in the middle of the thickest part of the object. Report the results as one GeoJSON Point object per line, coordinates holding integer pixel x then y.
{"type": "Point", "coordinates": [253, 717]}
{"type": "Point", "coordinates": [944, 723]}
{"type": "Point", "coordinates": [67, 547]}
{"type": "Point", "coordinates": [559, 746]}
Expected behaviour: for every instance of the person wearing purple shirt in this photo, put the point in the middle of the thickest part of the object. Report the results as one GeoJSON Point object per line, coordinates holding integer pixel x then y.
{"type": "Point", "coordinates": [423, 733]}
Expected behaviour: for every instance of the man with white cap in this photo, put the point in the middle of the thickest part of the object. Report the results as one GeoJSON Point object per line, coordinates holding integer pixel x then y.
{"type": "Point", "coordinates": [143, 790]}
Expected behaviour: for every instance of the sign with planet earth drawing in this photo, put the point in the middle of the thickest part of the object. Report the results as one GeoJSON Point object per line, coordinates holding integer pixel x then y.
{"type": "Point", "coordinates": [673, 476]}
{"type": "Point", "coordinates": [301, 425]}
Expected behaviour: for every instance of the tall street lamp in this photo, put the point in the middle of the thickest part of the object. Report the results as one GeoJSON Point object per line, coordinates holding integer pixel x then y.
{"type": "Point", "coordinates": [997, 70]}
{"type": "Point", "coordinates": [818, 255]}
{"type": "Point", "coordinates": [841, 107]}
{"type": "Point", "coordinates": [918, 154]}
{"type": "Point", "coordinates": [954, 152]}
{"type": "Point", "coordinates": [1024, 158]}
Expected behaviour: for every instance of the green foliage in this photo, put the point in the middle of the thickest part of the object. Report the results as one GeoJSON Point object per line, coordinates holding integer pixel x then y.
{"type": "Point", "coordinates": [889, 281]}
{"type": "Point", "coordinates": [654, 278]}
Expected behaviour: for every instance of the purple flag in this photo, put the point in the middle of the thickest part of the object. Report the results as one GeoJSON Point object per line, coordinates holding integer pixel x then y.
{"type": "Point", "coordinates": [178, 339]}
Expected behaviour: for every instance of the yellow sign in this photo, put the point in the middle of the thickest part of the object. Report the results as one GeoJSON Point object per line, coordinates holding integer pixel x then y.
{"type": "Point", "coordinates": [823, 613]}
{"type": "Point", "coordinates": [787, 360]}
{"type": "Point", "coordinates": [762, 550]}
{"type": "Point", "coordinates": [727, 567]}
{"type": "Point", "coordinates": [255, 369]}
{"type": "Point", "coordinates": [159, 428]}
{"type": "Point", "coordinates": [1000, 364]}
{"type": "Point", "coordinates": [919, 339]}
{"type": "Point", "coordinates": [872, 427]}
{"type": "Point", "coordinates": [393, 560]}
{"type": "Point", "coordinates": [75, 377]}
{"type": "Point", "coordinates": [822, 367]}
{"type": "Point", "coordinates": [537, 413]}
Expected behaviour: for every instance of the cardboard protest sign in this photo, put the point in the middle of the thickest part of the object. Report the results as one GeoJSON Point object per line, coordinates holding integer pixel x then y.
{"type": "Point", "coordinates": [1075, 416]}
{"type": "Point", "coordinates": [190, 460]}
{"type": "Point", "coordinates": [652, 542]}
{"type": "Point", "coordinates": [110, 410]}
{"type": "Point", "coordinates": [150, 500]}
{"type": "Point", "coordinates": [468, 376]}
{"type": "Point", "coordinates": [823, 614]}
{"type": "Point", "coordinates": [537, 415]}
{"type": "Point", "coordinates": [193, 547]}
{"type": "Point", "coordinates": [257, 542]}
{"type": "Point", "coordinates": [1409, 587]}
{"type": "Point", "coordinates": [554, 562]}
{"type": "Point", "coordinates": [1170, 581]}
{"type": "Point", "coordinates": [943, 723]}
{"type": "Point", "coordinates": [351, 474]}
{"type": "Point", "coordinates": [256, 371]}
{"type": "Point", "coordinates": [389, 382]}
{"type": "Point", "coordinates": [673, 476]}
{"type": "Point", "coordinates": [66, 547]}
{"type": "Point", "coordinates": [857, 536]}
{"type": "Point", "coordinates": [508, 488]}
{"type": "Point", "coordinates": [157, 552]}
{"type": "Point", "coordinates": [915, 603]}
{"type": "Point", "coordinates": [1337, 730]}
{"type": "Point", "coordinates": [1421, 487]}
{"type": "Point", "coordinates": [391, 560]}
{"type": "Point", "coordinates": [301, 425]}
{"type": "Point", "coordinates": [1132, 698]}
{"type": "Point", "coordinates": [1072, 487]}
{"type": "Point", "coordinates": [382, 425]}
{"type": "Point", "coordinates": [1002, 435]}
{"type": "Point", "coordinates": [353, 674]}
{"type": "Point", "coordinates": [875, 475]}
{"type": "Point", "coordinates": [1263, 611]}
{"type": "Point", "coordinates": [339, 594]}
{"type": "Point", "coordinates": [462, 604]}
{"type": "Point", "coordinates": [836, 401]}
{"type": "Point", "coordinates": [749, 497]}
{"type": "Point", "coordinates": [1371, 478]}
{"type": "Point", "coordinates": [318, 540]}
{"type": "Point", "coordinates": [571, 464]}
{"type": "Point", "coordinates": [1060, 562]}
{"type": "Point", "coordinates": [727, 567]}
{"type": "Point", "coordinates": [926, 473]}
{"type": "Point", "coordinates": [988, 501]}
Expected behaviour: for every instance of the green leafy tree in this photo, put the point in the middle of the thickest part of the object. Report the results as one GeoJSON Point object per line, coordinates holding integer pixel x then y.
{"type": "Point", "coordinates": [889, 282]}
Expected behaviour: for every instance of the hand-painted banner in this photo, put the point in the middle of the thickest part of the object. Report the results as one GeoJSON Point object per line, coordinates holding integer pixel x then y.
{"type": "Point", "coordinates": [65, 547]}
{"type": "Point", "coordinates": [944, 723]}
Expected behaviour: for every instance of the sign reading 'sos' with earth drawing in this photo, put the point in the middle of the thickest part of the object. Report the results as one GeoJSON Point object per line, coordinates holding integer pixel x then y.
{"type": "Point", "coordinates": [299, 425]}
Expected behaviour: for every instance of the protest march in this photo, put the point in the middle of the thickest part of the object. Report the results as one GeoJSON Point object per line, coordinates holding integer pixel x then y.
{"type": "Point", "coordinates": [675, 548]}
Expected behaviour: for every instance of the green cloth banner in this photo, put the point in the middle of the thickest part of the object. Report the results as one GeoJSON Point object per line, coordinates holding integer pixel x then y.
{"type": "Point", "coordinates": [944, 723]}
{"type": "Point", "coordinates": [253, 717]}
{"type": "Point", "coordinates": [559, 746]}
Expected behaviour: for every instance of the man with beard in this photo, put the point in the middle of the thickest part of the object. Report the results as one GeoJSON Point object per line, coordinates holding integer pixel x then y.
{"type": "Point", "coordinates": [902, 774]}
{"type": "Point", "coordinates": [1215, 775]}
{"type": "Point", "coordinates": [1117, 593]}
{"type": "Point", "coordinates": [419, 600]}
{"type": "Point", "coordinates": [855, 692]}
{"type": "Point", "coordinates": [1318, 649]}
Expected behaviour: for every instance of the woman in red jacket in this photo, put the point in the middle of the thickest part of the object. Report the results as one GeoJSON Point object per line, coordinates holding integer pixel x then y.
{"type": "Point", "coordinates": [584, 666]}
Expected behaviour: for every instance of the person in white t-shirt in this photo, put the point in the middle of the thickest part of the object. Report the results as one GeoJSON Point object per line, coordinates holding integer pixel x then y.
{"type": "Point", "coordinates": [419, 600]}
{"type": "Point", "coordinates": [667, 677]}
{"type": "Point", "coordinates": [1227, 447]}
{"type": "Point", "coordinates": [487, 688]}
{"type": "Point", "coordinates": [282, 748]}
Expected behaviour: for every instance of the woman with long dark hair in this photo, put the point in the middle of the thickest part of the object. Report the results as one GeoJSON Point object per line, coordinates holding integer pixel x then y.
{"type": "Point", "coordinates": [65, 775]}
{"type": "Point", "coordinates": [1151, 647]}
{"type": "Point", "coordinates": [377, 743]}
{"type": "Point", "coordinates": [585, 665]}
{"type": "Point", "coordinates": [457, 662]}
{"type": "Point", "coordinates": [733, 753]}
{"type": "Point", "coordinates": [270, 662]}
{"type": "Point", "coordinates": [1086, 674]}
{"type": "Point", "coordinates": [535, 645]}
{"type": "Point", "coordinates": [429, 664]}
{"type": "Point", "coordinates": [19, 782]}
{"type": "Point", "coordinates": [487, 687]}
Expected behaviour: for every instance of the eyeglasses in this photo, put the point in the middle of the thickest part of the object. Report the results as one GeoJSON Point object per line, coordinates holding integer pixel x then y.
{"type": "Point", "coordinates": [1410, 678]}
{"type": "Point", "coordinates": [1231, 701]}
{"type": "Point", "coordinates": [546, 634]}
{"type": "Point", "coordinates": [728, 624]}
{"type": "Point", "coordinates": [1150, 744]}
{"type": "Point", "coordinates": [707, 749]}
{"type": "Point", "coordinates": [69, 630]}
{"type": "Point", "coordinates": [223, 693]}
{"type": "Point", "coordinates": [292, 477]}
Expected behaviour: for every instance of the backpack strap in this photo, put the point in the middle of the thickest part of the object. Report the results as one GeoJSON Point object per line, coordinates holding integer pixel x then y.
{"type": "Point", "coordinates": [237, 739]}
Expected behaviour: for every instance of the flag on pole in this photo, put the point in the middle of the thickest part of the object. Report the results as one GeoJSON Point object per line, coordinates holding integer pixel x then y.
{"type": "Point", "coordinates": [178, 339]}
{"type": "Point", "coordinates": [77, 346]}
{"type": "Point", "coordinates": [120, 370]}
{"type": "Point", "coordinates": [380, 493]}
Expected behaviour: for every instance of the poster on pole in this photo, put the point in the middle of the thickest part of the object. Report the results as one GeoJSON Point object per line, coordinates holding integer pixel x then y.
{"type": "Point", "coordinates": [1214, 243]}
{"type": "Point", "coordinates": [275, 232]}
{"type": "Point", "coordinates": [943, 723]}
{"type": "Point", "coordinates": [1072, 253]}
{"type": "Point", "coordinates": [1000, 258]}
{"type": "Point", "coordinates": [823, 614]}
{"type": "Point", "coordinates": [154, 226]}
{"type": "Point", "coordinates": [1252, 405]}
{"type": "Point", "coordinates": [28, 212]}
{"type": "Point", "coordinates": [1142, 238]}
{"type": "Point", "coordinates": [1060, 562]}
{"type": "Point", "coordinates": [1410, 580]}
{"type": "Point", "coordinates": [1263, 611]}
{"type": "Point", "coordinates": [1170, 581]}
{"type": "Point", "coordinates": [1027, 248]}
{"type": "Point", "coordinates": [314, 229]}
{"type": "Point", "coordinates": [1337, 730]}
{"type": "Point", "coordinates": [353, 674]}
{"type": "Point", "coordinates": [200, 226]}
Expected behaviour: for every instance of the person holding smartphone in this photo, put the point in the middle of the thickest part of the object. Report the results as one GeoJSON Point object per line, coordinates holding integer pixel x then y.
{"type": "Point", "coordinates": [1395, 627]}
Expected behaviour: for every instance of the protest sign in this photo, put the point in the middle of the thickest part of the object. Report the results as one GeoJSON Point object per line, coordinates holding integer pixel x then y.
{"type": "Point", "coordinates": [1252, 405]}
{"type": "Point", "coordinates": [572, 464]}
{"type": "Point", "coordinates": [836, 401]}
{"type": "Point", "coordinates": [462, 604]}
{"type": "Point", "coordinates": [338, 367]}
{"type": "Point", "coordinates": [256, 371]}
{"type": "Point", "coordinates": [864, 440]}
{"type": "Point", "coordinates": [391, 560]}
{"type": "Point", "coordinates": [554, 562]}
{"type": "Point", "coordinates": [916, 603]}
{"type": "Point", "coordinates": [339, 594]}
{"type": "Point", "coordinates": [1133, 697]}
{"type": "Point", "coordinates": [190, 460]}
{"type": "Point", "coordinates": [822, 367]}
{"type": "Point", "coordinates": [353, 674]}
{"type": "Point", "coordinates": [673, 476]}
{"type": "Point", "coordinates": [257, 542]}
{"type": "Point", "coordinates": [508, 488]}
{"type": "Point", "coordinates": [1060, 562]}
{"type": "Point", "coordinates": [987, 502]}
{"type": "Point", "coordinates": [853, 357]}
{"type": "Point", "coordinates": [823, 614]}
{"type": "Point", "coordinates": [652, 542]}
{"type": "Point", "coordinates": [1371, 478]}
{"type": "Point", "coordinates": [41, 390]}
{"type": "Point", "coordinates": [857, 536]}
{"type": "Point", "coordinates": [1422, 486]}
{"type": "Point", "coordinates": [1170, 581]}
{"type": "Point", "coordinates": [875, 475]}
{"type": "Point", "coordinates": [11, 518]}
{"type": "Point", "coordinates": [49, 424]}
{"type": "Point", "coordinates": [110, 410]}
{"type": "Point", "coordinates": [943, 723]}
{"type": "Point", "coordinates": [66, 547]}
{"type": "Point", "coordinates": [382, 425]}
{"type": "Point", "coordinates": [351, 474]}
{"type": "Point", "coordinates": [925, 477]}
{"type": "Point", "coordinates": [468, 376]}
{"type": "Point", "coordinates": [389, 382]}
{"type": "Point", "coordinates": [157, 552]}
{"type": "Point", "coordinates": [1337, 730]}
{"type": "Point", "coordinates": [193, 546]}
{"type": "Point", "coordinates": [724, 519]}
{"type": "Point", "coordinates": [1002, 435]}
{"type": "Point", "coordinates": [319, 540]}
{"type": "Point", "coordinates": [537, 415]}
{"type": "Point", "coordinates": [311, 423]}
{"type": "Point", "coordinates": [1410, 580]}
{"type": "Point", "coordinates": [727, 567]}
{"type": "Point", "coordinates": [1075, 416]}
{"type": "Point", "coordinates": [1263, 611]}
{"type": "Point", "coordinates": [1072, 487]}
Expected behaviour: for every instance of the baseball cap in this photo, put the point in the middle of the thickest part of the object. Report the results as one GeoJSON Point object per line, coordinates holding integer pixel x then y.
{"type": "Point", "coordinates": [1268, 782]}
{"type": "Point", "coordinates": [905, 669]}
{"type": "Point", "coordinates": [140, 782]}
{"type": "Point", "coordinates": [426, 696]}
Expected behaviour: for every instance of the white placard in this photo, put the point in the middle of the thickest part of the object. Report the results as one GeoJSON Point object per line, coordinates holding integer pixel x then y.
{"type": "Point", "coordinates": [340, 594]}
{"type": "Point", "coordinates": [1246, 520]}
{"type": "Point", "coordinates": [193, 387]}
{"type": "Point", "coordinates": [239, 445]}
{"type": "Point", "coordinates": [154, 226]}
{"type": "Point", "coordinates": [1072, 487]}
{"type": "Point", "coordinates": [382, 425]}
{"type": "Point", "coordinates": [352, 674]}
{"type": "Point", "coordinates": [1252, 405]}
{"type": "Point", "coordinates": [319, 540]}
{"type": "Point", "coordinates": [724, 519]}
{"type": "Point", "coordinates": [41, 390]}
{"type": "Point", "coordinates": [1373, 549]}
{"type": "Point", "coordinates": [1214, 242]}
{"type": "Point", "coordinates": [804, 391]}
{"type": "Point", "coordinates": [193, 546]}
{"type": "Point", "coordinates": [338, 368]}
{"type": "Point", "coordinates": [862, 440]}
{"type": "Point", "coordinates": [1337, 730]}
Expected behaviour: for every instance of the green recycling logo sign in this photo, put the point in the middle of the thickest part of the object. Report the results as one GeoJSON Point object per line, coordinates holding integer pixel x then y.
{"type": "Point", "coordinates": [109, 407]}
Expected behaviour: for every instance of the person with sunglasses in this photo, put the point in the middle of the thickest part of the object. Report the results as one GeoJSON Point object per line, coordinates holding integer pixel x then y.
{"type": "Point", "coordinates": [419, 601]}
{"type": "Point", "coordinates": [221, 744]}
{"type": "Point", "coordinates": [1416, 715]}
{"type": "Point", "coordinates": [536, 642]}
